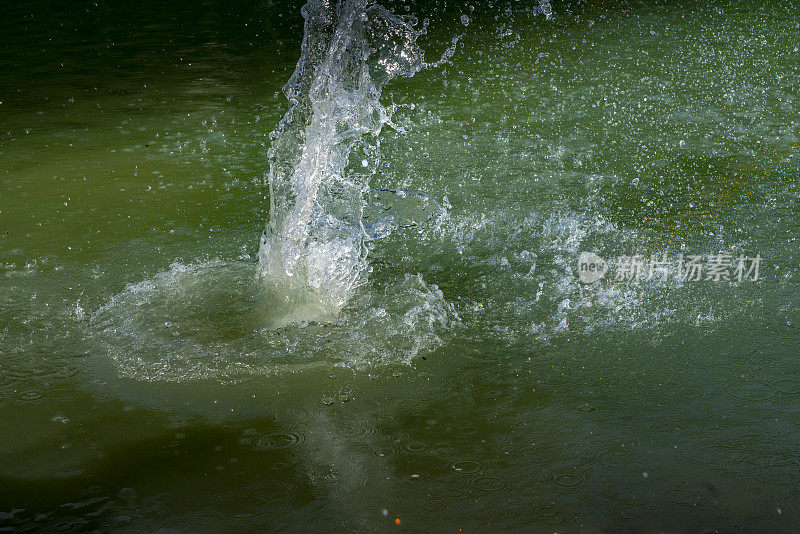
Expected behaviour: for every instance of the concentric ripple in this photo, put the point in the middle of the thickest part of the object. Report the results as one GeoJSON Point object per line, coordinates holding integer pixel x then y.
{"type": "Point", "coordinates": [215, 320]}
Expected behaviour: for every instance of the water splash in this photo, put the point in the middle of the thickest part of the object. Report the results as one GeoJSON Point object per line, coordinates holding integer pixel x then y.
{"type": "Point", "coordinates": [326, 147]}
{"type": "Point", "coordinates": [546, 9]}
{"type": "Point", "coordinates": [229, 320]}
{"type": "Point", "coordinates": [205, 321]}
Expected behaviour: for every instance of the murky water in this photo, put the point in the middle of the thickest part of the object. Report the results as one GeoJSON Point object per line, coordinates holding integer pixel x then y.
{"type": "Point", "coordinates": [457, 374]}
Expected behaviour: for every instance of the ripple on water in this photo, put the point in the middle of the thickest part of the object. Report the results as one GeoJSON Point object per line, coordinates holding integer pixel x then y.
{"type": "Point", "coordinates": [549, 515]}
{"type": "Point", "coordinates": [751, 391]}
{"type": "Point", "coordinates": [444, 450]}
{"type": "Point", "coordinates": [430, 500]}
{"type": "Point", "coordinates": [272, 494]}
{"type": "Point", "coordinates": [790, 406]}
{"type": "Point", "coordinates": [31, 396]}
{"type": "Point", "coordinates": [364, 430]}
{"type": "Point", "coordinates": [785, 386]}
{"type": "Point", "coordinates": [279, 466]}
{"type": "Point", "coordinates": [260, 502]}
{"type": "Point", "coordinates": [569, 480]}
{"type": "Point", "coordinates": [214, 320]}
{"type": "Point", "coordinates": [67, 525]}
{"type": "Point", "coordinates": [280, 440]}
{"type": "Point", "coordinates": [53, 368]}
{"type": "Point", "coordinates": [172, 525]}
{"type": "Point", "coordinates": [410, 484]}
{"type": "Point", "coordinates": [773, 468]}
{"type": "Point", "coordinates": [200, 521]}
{"type": "Point", "coordinates": [624, 506]}
{"type": "Point", "coordinates": [680, 497]}
{"type": "Point", "coordinates": [416, 447]}
{"type": "Point", "coordinates": [613, 457]}
{"type": "Point", "coordinates": [489, 483]}
{"type": "Point", "coordinates": [248, 437]}
{"type": "Point", "coordinates": [466, 467]}
{"type": "Point", "coordinates": [205, 520]}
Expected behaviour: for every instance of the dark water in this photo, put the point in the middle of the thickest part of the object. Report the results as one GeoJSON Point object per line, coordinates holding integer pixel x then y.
{"type": "Point", "coordinates": [473, 382]}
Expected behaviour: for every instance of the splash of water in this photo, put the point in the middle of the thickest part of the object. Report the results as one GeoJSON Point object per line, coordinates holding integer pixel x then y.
{"type": "Point", "coordinates": [546, 9]}
{"type": "Point", "coordinates": [326, 147]}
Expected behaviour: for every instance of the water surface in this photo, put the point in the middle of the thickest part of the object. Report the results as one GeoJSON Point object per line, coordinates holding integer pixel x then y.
{"type": "Point", "coordinates": [149, 381]}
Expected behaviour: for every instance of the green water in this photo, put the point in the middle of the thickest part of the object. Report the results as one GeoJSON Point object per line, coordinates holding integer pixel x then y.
{"type": "Point", "coordinates": [473, 382]}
